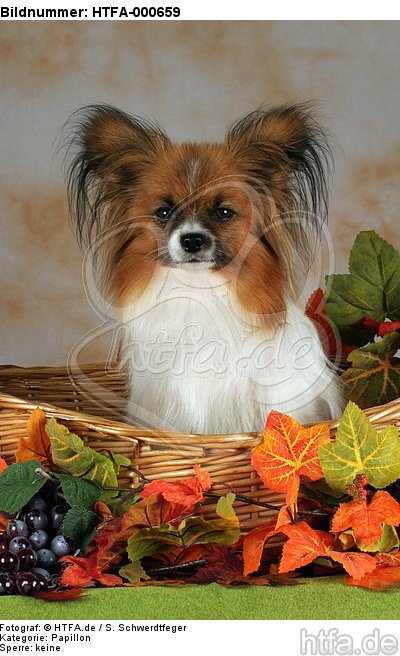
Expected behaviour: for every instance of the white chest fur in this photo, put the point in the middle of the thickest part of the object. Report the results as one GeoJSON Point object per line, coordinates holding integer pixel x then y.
{"type": "Point", "coordinates": [199, 366]}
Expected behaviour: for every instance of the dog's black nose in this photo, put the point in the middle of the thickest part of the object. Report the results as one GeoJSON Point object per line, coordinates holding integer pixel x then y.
{"type": "Point", "coordinates": [192, 242]}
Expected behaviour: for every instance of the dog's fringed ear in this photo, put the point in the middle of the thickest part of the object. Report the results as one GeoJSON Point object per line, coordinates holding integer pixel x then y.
{"type": "Point", "coordinates": [285, 149]}
{"type": "Point", "coordinates": [107, 153]}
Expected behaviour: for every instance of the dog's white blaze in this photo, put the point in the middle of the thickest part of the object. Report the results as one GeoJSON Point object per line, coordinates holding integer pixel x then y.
{"type": "Point", "coordinates": [198, 366]}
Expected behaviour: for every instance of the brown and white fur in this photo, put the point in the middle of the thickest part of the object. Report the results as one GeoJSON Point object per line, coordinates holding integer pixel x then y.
{"type": "Point", "coordinates": [201, 247]}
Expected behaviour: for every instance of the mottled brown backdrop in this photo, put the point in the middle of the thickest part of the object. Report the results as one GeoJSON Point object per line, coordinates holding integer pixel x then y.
{"type": "Point", "coordinates": [195, 77]}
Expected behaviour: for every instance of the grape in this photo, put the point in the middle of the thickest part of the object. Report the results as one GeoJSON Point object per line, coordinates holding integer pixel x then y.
{"type": "Point", "coordinates": [43, 572]}
{"type": "Point", "coordinates": [36, 519]}
{"type": "Point", "coordinates": [7, 583]}
{"type": "Point", "coordinates": [42, 580]}
{"type": "Point", "coordinates": [27, 583]}
{"type": "Point", "coordinates": [19, 543]}
{"type": "Point", "coordinates": [45, 558]}
{"type": "Point", "coordinates": [17, 529]}
{"type": "Point", "coordinates": [9, 562]}
{"type": "Point", "coordinates": [27, 558]}
{"type": "Point", "coordinates": [60, 545]}
{"type": "Point", "coordinates": [38, 539]}
{"type": "Point", "coordinates": [4, 540]}
{"type": "Point", "coordinates": [38, 503]}
{"type": "Point", "coordinates": [57, 515]}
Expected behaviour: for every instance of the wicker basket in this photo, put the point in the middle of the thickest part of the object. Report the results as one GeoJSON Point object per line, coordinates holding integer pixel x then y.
{"type": "Point", "coordinates": [78, 397]}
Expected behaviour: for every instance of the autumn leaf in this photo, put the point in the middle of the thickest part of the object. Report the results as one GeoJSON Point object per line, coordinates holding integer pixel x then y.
{"type": "Point", "coordinates": [372, 288]}
{"type": "Point", "coordinates": [388, 541]}
{"type": "Point", "coordinates": [374, 375]}
{"type": "Point", "coordinates": [187, 492]}
{"type": "Point", "coordinates": [315, 310]}
{"type": "Point", "coordinates": [223, 566]}
{"type": "Point", "coordinates": [381, 329]}
{"type": "Point", "coordinates": [306, 544]}
{"type": "Point", "coordinates": [191, 531]}
{"type": "Point", "coordinates": [381, 578]}
{"type": "Point", "coordinates": [112, 537]}
{"type": "Point", "coordinates": [85, 572]}
{"type": "Point", "coordinates": [367, 519]}
{"type": "Point", "coordinates": [71, 455]}
{"type": "Point", "coordinates": [133, 572]}
{"type": "Point", "coordinates": [287, 452]}
{"type": "Point", "coordinates": [360, 449]}
{"type": "Point", "coordinates": [224, 508]}
{"type": "Point", "coordinates": [68, 594]}
{"type": "Point", "coordinates": [253, 546]}
{"type": "Point", "coordinates": [36, 445]}
{"type": "Point", "coordinates": [3, 465]}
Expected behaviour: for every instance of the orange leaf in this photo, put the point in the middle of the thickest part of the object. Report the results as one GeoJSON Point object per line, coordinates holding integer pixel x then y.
{"type": "Point", "coordinates": [287, 452]}
{"type": "Point", "coordinates": [366, 519]}
{"type": "Point", "coordinates": [3, 465]}
{"type": "Point", "coordinates": [187, 492]}
{"type": "Point", "coordinates": [381, 578]}
{"type": "Point", "coordinates": [305, 544]}
{"type": "Point", "coordinates": [84, 572]}
{"type": "Point", "coordinates": [253, 545]}
{"type": "Point", "coordinates": [285, 516]}
{"type": "Point", "coordinates": [36, 446]}
{"type": "Point", "coordinates": [356, 564]}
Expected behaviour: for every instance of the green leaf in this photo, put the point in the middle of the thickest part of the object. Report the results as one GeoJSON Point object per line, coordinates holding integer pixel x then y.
{"type": "Point", "coordinates": [150, 541]}
{"type": "Point", "coordinates": [214, 531]}
{"type": "Point", "coordinates": [371, 289]}
{"type": "Point", "coordinates": [388, 541]}
{"type": "Point", "coordinates": [79, 526]}
{"type": "Point", "coordinates": [360, 449]}
{"type": "Point", "coordinates": [225, 507]}
{"type": "Point", "coordinates": [133, 572]}
{"type": "Point", "coordinates": [374, 375]}
{"type": "Point", "coordinates": [18, 484]}
{"type": "Point", "coordinates": [79, 491]}
{"type": "Point", "coordinates": [70, 454]}
{"type": "Point", "coordinates": [120, 461]}
{"type": "Point", "coordinates": [165, 538]}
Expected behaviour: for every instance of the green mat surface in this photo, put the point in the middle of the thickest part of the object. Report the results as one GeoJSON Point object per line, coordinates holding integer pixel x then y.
{"type": "Point", "coordinates": [322, 598]}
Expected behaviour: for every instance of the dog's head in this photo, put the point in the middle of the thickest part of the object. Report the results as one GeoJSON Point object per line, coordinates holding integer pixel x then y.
{"type": "Point", "coordinates": [232, 206]}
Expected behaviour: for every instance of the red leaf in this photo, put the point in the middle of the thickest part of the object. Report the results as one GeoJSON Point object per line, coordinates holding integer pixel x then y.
{"type": "Point", "coordinates": [253, 546]}
{"type": "Point", "coordinates": [70, 594]}
{"type": "Point", "coordinates": [187, 492]}
{"type": "Point", "coordinates": [287, 452]}
{"type": "Point", "coordinates": [3, 465]}
{"type": "Point", "coordinates": [315, 310]}
{"type": "Point", "coordinates": [36, 445]}
{"type": "Point", "coordinates": [366, 519]}
{"type": "Point", "coordinates": [223, 566]}
{"type": "Point", "coordinates": [379, 328]}
{"type": "Point", "coordinates": [387, 327]}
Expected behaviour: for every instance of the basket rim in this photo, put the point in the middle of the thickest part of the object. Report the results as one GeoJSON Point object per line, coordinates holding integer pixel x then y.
{"type": "Point", "coordinates": [125, 430]}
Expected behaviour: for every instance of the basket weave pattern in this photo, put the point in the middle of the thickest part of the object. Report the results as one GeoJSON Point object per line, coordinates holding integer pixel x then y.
{"type": "Point", "coordinates": [90, 403]}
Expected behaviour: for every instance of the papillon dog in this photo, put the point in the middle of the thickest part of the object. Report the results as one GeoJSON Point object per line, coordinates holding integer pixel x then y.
{"type": "Point", "coordinates": [202, 248]}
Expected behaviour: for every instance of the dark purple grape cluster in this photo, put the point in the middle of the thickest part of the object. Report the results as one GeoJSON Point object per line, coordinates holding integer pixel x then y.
{"type": "Point", "coordinates": [31, 546]}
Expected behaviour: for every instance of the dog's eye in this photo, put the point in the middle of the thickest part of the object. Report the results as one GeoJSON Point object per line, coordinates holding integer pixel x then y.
{"type": "Point", "coordinates": [163, 213]}
{"type": "Point", "coordinates": [224, 213]}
